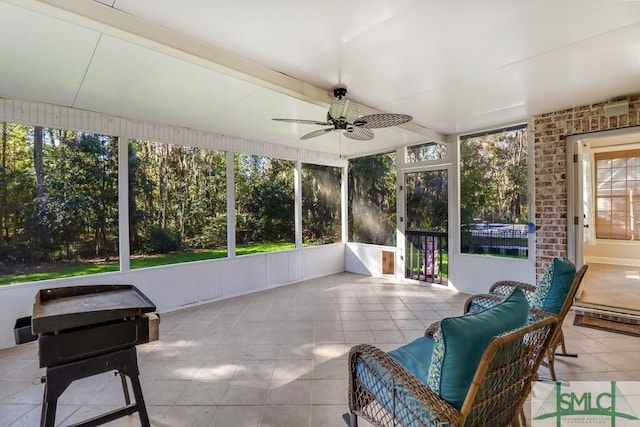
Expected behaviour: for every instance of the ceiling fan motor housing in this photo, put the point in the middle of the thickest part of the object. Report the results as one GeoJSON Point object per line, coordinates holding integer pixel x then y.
{"type": "Point", "coordinates": [340, 92]}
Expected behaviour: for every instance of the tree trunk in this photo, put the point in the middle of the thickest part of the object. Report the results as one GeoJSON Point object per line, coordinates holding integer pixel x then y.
{"type": "Point", "coordinates": [41, 186]}
{"type": "Point", "coordinates": [4, 221]}
{"type": "Point", "coordinates": [133, 220]}
{"type": "Point", "coordinates": [38, 161]}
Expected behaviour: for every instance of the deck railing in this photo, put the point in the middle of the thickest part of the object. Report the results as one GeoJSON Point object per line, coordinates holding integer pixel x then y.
{"type": "Point", "coordinates": [426, 256]}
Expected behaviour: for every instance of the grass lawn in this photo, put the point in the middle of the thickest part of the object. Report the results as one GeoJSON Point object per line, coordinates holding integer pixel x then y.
{"type": "Point", "coordinates": [416, 261]}
{"type": "Point", "coordinates": [140, 262]}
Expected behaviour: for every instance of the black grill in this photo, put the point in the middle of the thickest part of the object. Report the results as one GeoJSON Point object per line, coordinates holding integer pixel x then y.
{"type": "Point", "coordinates": [86, 330]}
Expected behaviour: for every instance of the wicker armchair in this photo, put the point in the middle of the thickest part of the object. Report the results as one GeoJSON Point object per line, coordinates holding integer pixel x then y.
{"type": "Point", "coordinates": [382, 392]}
{"type": "Point", "coordinates": [482, 301]}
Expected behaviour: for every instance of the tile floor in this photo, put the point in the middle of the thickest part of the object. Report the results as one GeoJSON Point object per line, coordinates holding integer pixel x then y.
{"type": "Point", "coordinates": [276, 358]}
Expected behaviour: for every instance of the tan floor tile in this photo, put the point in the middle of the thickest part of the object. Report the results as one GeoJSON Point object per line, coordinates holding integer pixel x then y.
{"type": "Point", "coordinates": [328, 415]}
{"type": "Point", "coordinates": [29, 395]}
{"type": "Point", "coordinates": [330, 351]}
{"type": "Point", "coordinates": [327, 325]}
{"type": "Point", "coordinates": [298, 337]}
{"type": "Point", "coordinates": [326, 314]}
{"type": "Point", "coordinates": [255, 370]}
{"type": "Point", "coordinates": [356, 325]}
{"type": "Point", "coordinates": [79, 392]}
{"type": "Point", "coordinates": [237, 416]}
{"type": "Point", "coordinates": [329, 392]}
{"type": "Point", "coordinates": [9, 389]}
{"type": "Point", "coordinates": [10, 413]}
{"type": "Point", "coordinates": [289, 392]}
{"type": "Point", "coordinates": [32, 418]}
{"type": "Point", "coordinates": [87, 411]}
{"type": "Point", "coordinates": [382, 325]}
{"type": "Point", "coordinates": [402, 315]}
{"type": "Point", "coordinates": [412, 334]}
{"type": "Point", "coordinates": [203, 393]}
{"type": "Point", "coordinates": [261, 352]}
{"type": "Point", "coordinates": [364, 337]}
{"type": "Point", "coordinates": [188, 416]}
{"type": "Point", "coordinates": [329, 336]}
{"type": "Point", "coordinates": [293, 369]}
{"type": "Point", "coordinates": [285, 416]}
{"type": "Point", "coordinates": [330, 369]}
{"type": "Point", "coordinates": [296, 351]}
{"type": "Point", "coordinates": [389, 337]}
{"type": "Point", "coordinates": [349, 316]}
{"type": "Point", "coordinates": [160, 392]}
{"type": "Point", "coordinates": [246, 393]}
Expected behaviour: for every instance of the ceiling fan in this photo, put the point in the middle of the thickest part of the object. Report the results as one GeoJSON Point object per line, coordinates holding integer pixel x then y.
{"type": "Point", "coordinates": [344, 115]}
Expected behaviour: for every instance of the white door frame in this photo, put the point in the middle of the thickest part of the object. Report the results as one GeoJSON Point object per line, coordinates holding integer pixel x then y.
{"type": "Point", "coordinates": [401, 202]}
{"type": "Point", "coordinates": [575, 209]}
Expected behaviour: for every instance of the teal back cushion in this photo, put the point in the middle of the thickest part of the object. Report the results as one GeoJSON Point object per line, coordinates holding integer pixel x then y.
{"type": "Point", "coordinates": [461, 341]}
{"type": "Point", "coordinates": [554, 286]}
{"type": "Point", "coordinates": [415, 357]}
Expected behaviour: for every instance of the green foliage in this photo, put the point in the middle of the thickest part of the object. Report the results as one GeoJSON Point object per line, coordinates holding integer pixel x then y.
{"type": "Point", "coordinates": [164, 240]}
{"type": "Point", "coordinates": [493, 178]}
{"type": "Point", "coordinates": [427, 200]}
{"type": "Point", "coordinates": [321, 208]}
{"type": "Point", "coordinates": [58, 196]}
{"type": "Point", "coordinates": [176, 188]}
{"type": "Point", "coordinates": [372, 199]}
{"type": "Point", "coordinates": [264, 199]}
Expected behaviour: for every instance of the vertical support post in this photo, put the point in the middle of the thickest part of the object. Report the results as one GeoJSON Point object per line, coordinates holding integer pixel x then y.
{"type": "Point", "coordinates": [123, 204]}
{"type": "Point", "coordinates": [231, 204]}
{"type": "Point", "coordinates": [344, 201]}
{"type": "Point", "coordinates": [297, 195]}
{"type": "Point", "coordinates": [401, 209]}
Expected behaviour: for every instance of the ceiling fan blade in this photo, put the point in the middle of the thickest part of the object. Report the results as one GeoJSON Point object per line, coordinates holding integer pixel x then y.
{"type": "Point", "coordinates": [316, 133]}
{"type": "Point", "coordinates": [302, 121]}
{"type": "Point", "coordinates": [382, 120]}
{"type": "Point", "coordinates": [359, 134]}
{"type": "Point", "coordinates": [344, 108]}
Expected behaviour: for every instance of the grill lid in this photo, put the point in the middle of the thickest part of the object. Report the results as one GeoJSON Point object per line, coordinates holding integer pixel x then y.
{"type": "Point", "coordinates": [56, 309]}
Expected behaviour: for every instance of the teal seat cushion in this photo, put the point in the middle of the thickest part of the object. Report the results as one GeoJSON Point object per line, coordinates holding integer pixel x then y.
{"type": "Point", "coordinates": [415, 357]}
{"type": "Point", "coordinates": [460, 342]}
{"type": "Point", "coordinates": [554, 286]}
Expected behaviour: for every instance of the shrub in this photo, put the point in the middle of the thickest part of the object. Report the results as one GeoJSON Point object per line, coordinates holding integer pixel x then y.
{"type": "Point", "coordinates": [164, 240]}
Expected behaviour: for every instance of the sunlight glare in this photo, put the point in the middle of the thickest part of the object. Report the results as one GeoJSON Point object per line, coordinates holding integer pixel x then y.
{"type": "Point", "coordinates": [632, 274]}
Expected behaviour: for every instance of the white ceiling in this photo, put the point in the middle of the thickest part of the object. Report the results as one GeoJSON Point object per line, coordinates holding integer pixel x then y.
{"type": "Point", "coordinates": [229, 67]}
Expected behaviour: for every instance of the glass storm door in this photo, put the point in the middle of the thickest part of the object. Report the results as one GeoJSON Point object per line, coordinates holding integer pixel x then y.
{"type": "Point", "coordinates": [427, 213]}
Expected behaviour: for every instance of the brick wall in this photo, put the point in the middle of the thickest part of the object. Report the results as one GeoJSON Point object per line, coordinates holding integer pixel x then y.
{"type": "Point", "coordinates": [550, 132]}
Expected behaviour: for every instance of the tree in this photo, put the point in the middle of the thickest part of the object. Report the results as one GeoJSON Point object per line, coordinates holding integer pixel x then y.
{"type": "Point", "coordinates": [321, 212]}
{"type": "Point", "coordinates": [264, 199]}
{"type": "Point", "coordinates": [372, 199]}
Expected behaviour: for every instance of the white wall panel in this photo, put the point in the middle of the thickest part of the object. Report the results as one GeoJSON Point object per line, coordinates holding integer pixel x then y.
{"type": "Point", "coordinates": [295, 266]}
{"type": "Point", "coordinates": [317, 260]}
{"type": "Point", "coordinates": [173, 286]}
{"type": "Point", "coordinates": [475, 273]}
{"type": "Point", "coordinates": [365, 259]}
{"type": "Point", "coordinates": [277, 267]}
